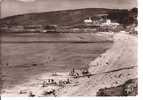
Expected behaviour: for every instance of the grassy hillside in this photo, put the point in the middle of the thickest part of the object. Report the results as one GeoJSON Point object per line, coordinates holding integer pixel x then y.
{"type": "Point", "coordinates": [65, 17]}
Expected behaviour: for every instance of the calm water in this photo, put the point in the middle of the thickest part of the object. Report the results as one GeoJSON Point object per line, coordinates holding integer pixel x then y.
{"type": "Point", "coordinates": [22, 60]}
{"type": "Point", "coordinates": [52, 49]}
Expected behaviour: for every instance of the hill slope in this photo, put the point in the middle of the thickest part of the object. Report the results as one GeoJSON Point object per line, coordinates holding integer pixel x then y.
{"type": "Point", "coordinates": [65, 17]}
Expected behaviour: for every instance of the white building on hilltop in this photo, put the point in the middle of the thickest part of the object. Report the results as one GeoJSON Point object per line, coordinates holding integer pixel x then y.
{"type": "Point", "coordinates": [88, 21]}
{"type": "Point", "coordinates": [109, 23]}
{"type": "Point", "coordinates": [101, 20]}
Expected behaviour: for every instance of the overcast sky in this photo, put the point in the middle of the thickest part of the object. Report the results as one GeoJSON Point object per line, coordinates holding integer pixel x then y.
{"type": "Point", "coordinates": [14, 7]}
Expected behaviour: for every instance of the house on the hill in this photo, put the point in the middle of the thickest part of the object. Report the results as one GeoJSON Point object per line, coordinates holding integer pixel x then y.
{"type": "Point", "coordinates": [100, 20]}
{"type": "Point", "coordinates": [109, 23]}
{"type": "Point", "coordinates": [88, 21]}
{"type": "Point", "coordinates": [97, 20]}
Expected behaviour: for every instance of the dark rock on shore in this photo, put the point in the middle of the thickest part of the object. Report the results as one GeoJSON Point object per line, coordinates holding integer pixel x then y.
{"type": "Point", "coordinates": [129, 88]}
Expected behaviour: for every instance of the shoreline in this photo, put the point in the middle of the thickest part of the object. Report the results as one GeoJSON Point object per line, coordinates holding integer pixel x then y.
{"type": "Point", "coordinates": [108, 56]}
{"type": "Point", "coordinates": [118, 70]}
